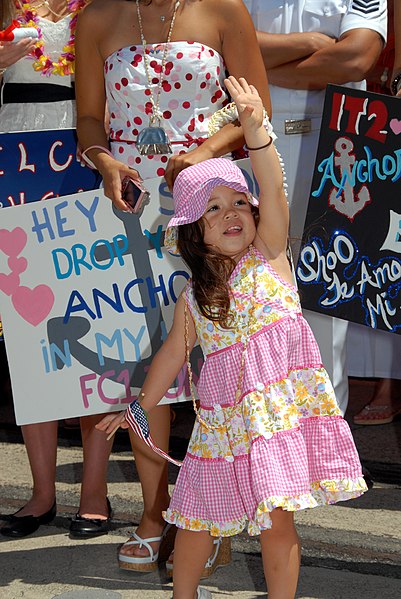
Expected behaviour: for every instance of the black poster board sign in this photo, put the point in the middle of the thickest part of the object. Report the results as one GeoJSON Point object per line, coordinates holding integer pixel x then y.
{"type": "Point", "coordinates": [350, 259]}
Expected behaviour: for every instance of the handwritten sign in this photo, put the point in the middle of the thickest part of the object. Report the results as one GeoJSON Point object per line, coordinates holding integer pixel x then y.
{"type": "Point", "coordinates": [38, 165]}
{"type": "Point", "coordinates": [87, 295]}
{"type": "Point", "coordinates": [350, 260]}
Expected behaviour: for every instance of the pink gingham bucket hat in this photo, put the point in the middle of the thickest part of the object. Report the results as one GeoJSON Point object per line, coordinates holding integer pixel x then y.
{"type": "Point", "coordinates": [193, 188]}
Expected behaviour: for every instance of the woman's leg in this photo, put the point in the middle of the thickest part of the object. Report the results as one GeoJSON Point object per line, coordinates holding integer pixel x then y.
{"type": "Point", "coordinates": [384, 405]}
{"type": "Point", "coordinates": [41, 446]}
{"type": "Point", "coordinates": [152, 471]}
{"type": "Point", "coordinates": [191, 551]}
{"type": "Point", "coordinates": [96, 452]}
{"type": "Point", "coordinates": [281, 554]}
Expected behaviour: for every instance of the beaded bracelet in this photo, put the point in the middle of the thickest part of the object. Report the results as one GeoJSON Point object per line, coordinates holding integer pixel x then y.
{"type": "Point", "coordinates": [396, 84]}
{"type": "Point", "coordinates": [229, 114]}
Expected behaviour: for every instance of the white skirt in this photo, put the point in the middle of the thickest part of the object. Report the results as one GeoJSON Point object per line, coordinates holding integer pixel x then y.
{"type": "Point", "coordinates": [37, 116]}
{"type": "Point", "coordinates": [373, 353]}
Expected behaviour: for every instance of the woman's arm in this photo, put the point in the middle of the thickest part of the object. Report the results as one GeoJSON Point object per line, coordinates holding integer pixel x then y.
{"type": "Point", "coordinates": [164, 368]}
{"type": "Point", "coordinates": [91, 103]}
{"type": "Point", "coordinates": [242, 57]}
{"type": "Point", "coordinates": [397, 46]}
{"type": "Point", "coordinates": [279, 48]}
{"type": "Point", "coordinates": [350, 59]}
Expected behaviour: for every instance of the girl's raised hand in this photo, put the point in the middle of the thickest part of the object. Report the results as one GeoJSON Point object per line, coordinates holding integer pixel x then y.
{"type": "Point", "coordinates": [248, 102]}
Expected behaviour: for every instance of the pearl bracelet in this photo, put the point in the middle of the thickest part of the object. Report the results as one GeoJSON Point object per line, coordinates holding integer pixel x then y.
{"type": "Point", "coordinates": [229, 114]}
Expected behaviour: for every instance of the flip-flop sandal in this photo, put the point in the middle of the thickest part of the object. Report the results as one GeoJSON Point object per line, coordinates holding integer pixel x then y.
{"type": "Point", "coordinates": [221, 556]}
{"type": "Point", "coordinates": [376, 412]}
{"type": "Point", "coordinates": [148, 563]}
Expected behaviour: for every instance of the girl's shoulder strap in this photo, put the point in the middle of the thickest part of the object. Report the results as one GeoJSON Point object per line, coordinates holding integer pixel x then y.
{"type": "Point", "coordinates": [187, 289]}
{"type": "Point", "coordinates": [188, 295]}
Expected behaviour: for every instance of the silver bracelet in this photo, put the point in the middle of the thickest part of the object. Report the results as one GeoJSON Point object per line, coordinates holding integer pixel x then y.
{"type": "Point", "coordinates": [2, 71]}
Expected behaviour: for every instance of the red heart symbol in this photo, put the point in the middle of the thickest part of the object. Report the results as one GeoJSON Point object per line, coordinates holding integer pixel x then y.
{"type": "Point", "coordinates": [9, 283]}
{"type": "Point", "coordinates": [17, 265]}
{"type": "Point", "coordinates": [12, 242]}
{"type": "Point", "coordinates": [33, 304]}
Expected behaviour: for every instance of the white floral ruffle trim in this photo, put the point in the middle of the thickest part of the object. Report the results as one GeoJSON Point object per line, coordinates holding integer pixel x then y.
{"type": "Point", "coordinates": [322, 493]}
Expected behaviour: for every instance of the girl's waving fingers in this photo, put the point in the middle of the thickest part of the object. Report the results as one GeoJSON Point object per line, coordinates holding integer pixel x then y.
{"type": "Point", "coordinates": [236, 91]}
{"type": "Point", "coordinates": [240, 89]}
{"type": "Point", "coordinates": [246, 87]}
{"type": "Point", "coordinates": [247, 100]}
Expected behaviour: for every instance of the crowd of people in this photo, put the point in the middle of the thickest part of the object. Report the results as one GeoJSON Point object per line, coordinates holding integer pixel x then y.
{"type": "Point", "coordinates": [254, 457]}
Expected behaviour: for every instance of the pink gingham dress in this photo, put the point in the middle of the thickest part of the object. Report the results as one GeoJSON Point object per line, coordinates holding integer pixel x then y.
{"type": "Point", "coordinates": [286, 444]}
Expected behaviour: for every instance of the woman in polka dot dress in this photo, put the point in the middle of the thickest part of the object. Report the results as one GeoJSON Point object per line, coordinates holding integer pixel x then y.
{"type": "Point", "coordinates": [207, 39]}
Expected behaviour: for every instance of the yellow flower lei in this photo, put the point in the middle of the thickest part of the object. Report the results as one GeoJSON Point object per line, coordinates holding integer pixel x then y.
{"type": "Point", "coordinates": [42, 62]}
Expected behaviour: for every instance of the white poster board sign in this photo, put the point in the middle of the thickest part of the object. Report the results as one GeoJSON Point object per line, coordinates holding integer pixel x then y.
{"type": "Point", "coordinates": [87, 295]}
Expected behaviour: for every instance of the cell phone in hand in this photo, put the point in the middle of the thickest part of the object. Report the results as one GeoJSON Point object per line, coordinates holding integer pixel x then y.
{"type": "Point", "coordinates": [133, 193]}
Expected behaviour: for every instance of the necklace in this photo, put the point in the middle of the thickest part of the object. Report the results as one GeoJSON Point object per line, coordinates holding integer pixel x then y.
{"type": "Point", "coordinates": [49, 8]}
{"type": "Point", "coordinates": [64, 65]}
{"type": "Point", "coordinates": [154, 139]}
{"type": "Point", "coordinates": [238, 392]}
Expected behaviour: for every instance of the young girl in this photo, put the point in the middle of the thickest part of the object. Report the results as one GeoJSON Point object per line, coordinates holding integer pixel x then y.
{"type": "Point", "coordinates": [269, 438]}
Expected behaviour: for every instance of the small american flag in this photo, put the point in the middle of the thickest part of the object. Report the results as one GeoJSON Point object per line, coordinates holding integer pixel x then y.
{"type": "Point", "coordinates": [138, 421]}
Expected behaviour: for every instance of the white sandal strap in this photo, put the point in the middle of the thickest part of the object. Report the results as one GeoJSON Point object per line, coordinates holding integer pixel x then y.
{"type": "Point", "coordinates": [141, 542]}
{"type": "Point", "coordinates": [145, 542]}
{"type": "Point", "coordinates": [137, 540]}
{"type": "Point", "coordinates": [212, 558]}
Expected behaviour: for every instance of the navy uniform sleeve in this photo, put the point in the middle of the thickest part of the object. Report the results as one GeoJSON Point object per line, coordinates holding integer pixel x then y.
{"type": "Point", "coordinates": [366, 14]}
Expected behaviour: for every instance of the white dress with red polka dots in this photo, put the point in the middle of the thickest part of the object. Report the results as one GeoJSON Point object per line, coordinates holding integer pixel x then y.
{"type": "Point", "coordinates": [192, 91]}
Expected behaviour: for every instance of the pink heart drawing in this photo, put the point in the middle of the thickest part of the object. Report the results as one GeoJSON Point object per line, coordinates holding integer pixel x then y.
{"type": "Point", "coordinates": [17, 265]}
{"type": "Point", "coordinates": [33, 304]}
{"type": "Point", "coordinates": [9, 283]}
{"type": "Point", "coordinates": [12, 242]}
{"type": "Point", "coordinates": [395, 126]}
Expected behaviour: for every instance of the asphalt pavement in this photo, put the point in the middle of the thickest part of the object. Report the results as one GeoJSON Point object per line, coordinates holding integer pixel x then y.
{"type": "Point", "coordinates": [351, 550]}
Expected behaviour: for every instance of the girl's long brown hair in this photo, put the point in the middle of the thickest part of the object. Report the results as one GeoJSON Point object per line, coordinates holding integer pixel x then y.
{"type": "Point", "coordinates": [210, 273]}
